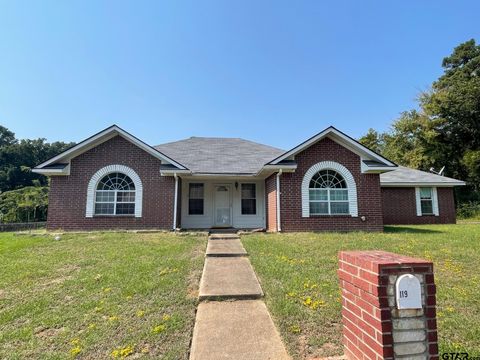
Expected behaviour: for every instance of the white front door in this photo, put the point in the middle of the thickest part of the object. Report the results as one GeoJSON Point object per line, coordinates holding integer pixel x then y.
{"type": "Point", "coordinates": [223, 209]}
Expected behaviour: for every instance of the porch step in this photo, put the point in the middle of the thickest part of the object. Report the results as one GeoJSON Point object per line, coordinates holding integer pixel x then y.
{"type": "Point", "coordinates": [223, 231]}
{"type": "Point", "coordinates": [224, 237]}
{"type": "Point", "coordinates": [225, 248]}
{"type": "Point", "coordinates": [229, 278]}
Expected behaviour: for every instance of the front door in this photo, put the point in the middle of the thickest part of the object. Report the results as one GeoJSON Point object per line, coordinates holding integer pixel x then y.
{"type": "Point", "coordinates": [223, 210]}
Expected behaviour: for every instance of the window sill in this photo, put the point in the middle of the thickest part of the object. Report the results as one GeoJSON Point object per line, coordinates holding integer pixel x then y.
{"type": "Point", "coordinates": [331, 215]}
{"type": "Point", "coordinates": [114, 216]}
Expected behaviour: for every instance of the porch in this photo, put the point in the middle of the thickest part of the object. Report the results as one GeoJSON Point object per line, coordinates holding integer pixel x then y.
{"type": "Point", "coordinates": [221, 202]}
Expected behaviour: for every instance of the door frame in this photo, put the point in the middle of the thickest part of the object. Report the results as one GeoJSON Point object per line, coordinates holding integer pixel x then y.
{"type": "Point", "coordinates": [230, 203]}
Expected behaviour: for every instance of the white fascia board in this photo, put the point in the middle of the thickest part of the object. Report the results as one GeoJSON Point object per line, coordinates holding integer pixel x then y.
{"type": "Point", "coordinates": [171, 172]}
{"type": "Point", "coordinates": [59, 172]}
{"type": "Point", "coordinates": [103, 136]}
{"type": "Point", "coordinates": [425, 184]}
{"type": "Point", "coordinates": [365, 169]}
{"type": "Point", "coordinates": [346, 141]}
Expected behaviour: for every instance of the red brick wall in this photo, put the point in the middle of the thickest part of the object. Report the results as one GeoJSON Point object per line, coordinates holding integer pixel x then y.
{"type": "Point", "coordinates": [368, 193]}
{"type": "Point", "coordinates": [271, 201]}
{"type": "Point", "coordinates": [399, 207]}
{"type": "Point", "coordinates": [68, 194]}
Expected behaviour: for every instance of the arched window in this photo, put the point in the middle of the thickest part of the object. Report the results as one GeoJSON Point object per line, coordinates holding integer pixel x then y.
{"type": "Point", "coordinates": [115, 195]}
{"type": "Point", "coordinates": [114, 190]}
{"type": "Point", "coordinates": [328, 188]}
{"type": "Point", "coordinates": [328, 193]}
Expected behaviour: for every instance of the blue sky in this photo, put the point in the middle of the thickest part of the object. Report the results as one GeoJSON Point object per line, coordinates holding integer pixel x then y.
{"type": "Point", "coordinates": [271, 71]}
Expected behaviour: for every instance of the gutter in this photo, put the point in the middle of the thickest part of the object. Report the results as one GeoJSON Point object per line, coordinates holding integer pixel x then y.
{"type": "Point", "coordinates": [175, 203]}
{"type": "Point", "coordinates": [279, 227]}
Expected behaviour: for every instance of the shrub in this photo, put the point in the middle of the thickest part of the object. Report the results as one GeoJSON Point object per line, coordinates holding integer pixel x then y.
{"type": "Point", "coordinates": [469, 210]}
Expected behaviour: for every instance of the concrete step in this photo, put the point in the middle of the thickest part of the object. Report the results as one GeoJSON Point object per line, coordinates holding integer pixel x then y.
{"type": "Point", "coordinates": [223, 231]}
{"type": "Point", "coordinates": [222, 247]}
{"type": "Point", "coordinates": [223, 236]}
{"type": "Point", "coordinates": [235, 330]}
{"type": "Point", "coordinates": [229, 278]}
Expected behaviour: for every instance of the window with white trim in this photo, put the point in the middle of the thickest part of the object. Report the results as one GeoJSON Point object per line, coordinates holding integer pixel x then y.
{"type": "Point", "coordinates": [195, 198]}
{"type": "Point", "coordinates": [328, 194]}
{"type": "Point", "coordinates": [115, 195]}
{"type": "Point", "coordinates": [249, 199]}
{"type": "Point", "coordinates": [426, 200]}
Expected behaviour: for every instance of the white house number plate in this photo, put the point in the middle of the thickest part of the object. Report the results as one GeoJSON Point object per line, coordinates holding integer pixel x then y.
{"type": "Point", "coordinates": [408, 292]}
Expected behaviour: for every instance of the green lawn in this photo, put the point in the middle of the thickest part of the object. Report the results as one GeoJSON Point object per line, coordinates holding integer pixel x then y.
{"type": "Point", "coordinates": [98, 295]}
{"type": "Point", "coordinates": [298, 276]}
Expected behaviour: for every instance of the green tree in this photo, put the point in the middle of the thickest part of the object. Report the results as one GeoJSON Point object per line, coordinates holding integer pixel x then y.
{"type": "Point", "coordinates": [373, 140]}
{"type": "Point", "coordinates": [24, 205]}
{"type": "Point", "coordinates": [17, 158]}
{"type": "Point", "coordinates": [454, 104]}
{"type": "Point", "coordinates": [445, 130]}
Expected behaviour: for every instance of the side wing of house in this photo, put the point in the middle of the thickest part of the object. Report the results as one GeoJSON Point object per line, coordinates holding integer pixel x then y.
{"type": "Point", "coordinates": [110, 180]}
{"type": "Point", "coordinates": [416, 197]}
{"type": "Point", "coordinates": [335, 186]}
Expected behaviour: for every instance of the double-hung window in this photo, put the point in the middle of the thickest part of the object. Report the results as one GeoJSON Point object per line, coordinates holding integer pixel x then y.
{"type": "Point", "coordinates": [249, 199]}
{"type": "Point", "coordinates": [195, 199]}
{"type": "Point", "coordinates": [426, 200]}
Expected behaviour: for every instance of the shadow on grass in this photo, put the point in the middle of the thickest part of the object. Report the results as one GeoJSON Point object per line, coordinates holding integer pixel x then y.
{"type": "Point", "coordinates": [412, 230]}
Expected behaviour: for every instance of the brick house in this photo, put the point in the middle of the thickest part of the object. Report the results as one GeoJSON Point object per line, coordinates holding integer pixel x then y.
{"type": "Point", "coordinates": [330, 182]}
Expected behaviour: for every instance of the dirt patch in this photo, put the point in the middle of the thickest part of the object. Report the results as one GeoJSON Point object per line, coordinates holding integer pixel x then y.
{"type": "Point", "coordinates": [47, 333]}
{"type": "Point", "coordinates": [2, 294]}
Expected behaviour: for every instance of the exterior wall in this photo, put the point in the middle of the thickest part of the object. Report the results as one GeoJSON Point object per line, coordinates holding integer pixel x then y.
{"type": "Point", "coordinates": [399, 207]}
{"type": "Point", "coordinates": [369, 197]}
{"type": "Point", "coordinates": [206, 220]}
{"type": "Point", "coordinates": [68, 194]}
{"type": "Point", "coordinates": [271, 201]}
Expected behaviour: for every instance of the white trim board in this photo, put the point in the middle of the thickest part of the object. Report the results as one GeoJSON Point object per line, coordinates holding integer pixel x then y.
{"type": "Point", "coordinates": [339, 137]}
{"type": "Point", "coordinates": [103, 136]}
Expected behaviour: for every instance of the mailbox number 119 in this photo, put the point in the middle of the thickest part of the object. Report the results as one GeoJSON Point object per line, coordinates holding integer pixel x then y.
{"type": "Point", "coordinates": [403, 293]}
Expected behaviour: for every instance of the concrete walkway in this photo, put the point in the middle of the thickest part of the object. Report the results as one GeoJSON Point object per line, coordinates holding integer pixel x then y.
{"type": "Point", "coordinates": [240, 328]}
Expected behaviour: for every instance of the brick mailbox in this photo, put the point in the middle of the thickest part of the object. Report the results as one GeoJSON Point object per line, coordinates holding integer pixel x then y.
{"type": "Point", "coordinates": [388, 306]}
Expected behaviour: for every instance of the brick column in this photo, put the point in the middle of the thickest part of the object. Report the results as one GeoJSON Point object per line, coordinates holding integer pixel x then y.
{"type": "Point", "coordinates": [373, 327]}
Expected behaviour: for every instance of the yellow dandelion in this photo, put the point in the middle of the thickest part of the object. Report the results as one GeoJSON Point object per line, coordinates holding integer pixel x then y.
{"type": "Point", "coordinates": [166, 317]}
{"type": "Point", "coordinates": [140, 313]}
{"type": "Point", "coordinates": [75, 341]}
{"type": "Point", "coordinates": [295, 329]}
{"type": "Point", "coordinates": [107, 289]}
{"type": "Point", "coordinates": [113, 318]}
{"type": "Point", "coordinates": [92, 326]}
{"type": "Point", "coordinates": [75, 351]}
{"type": "Point", "coordinates": [159, 329]}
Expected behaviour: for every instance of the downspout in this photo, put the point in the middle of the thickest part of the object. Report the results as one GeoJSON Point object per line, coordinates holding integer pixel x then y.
{"type": "Point", "coordinates": [279, 228]}
{"type": "Point", "coordinates": [175, 202]}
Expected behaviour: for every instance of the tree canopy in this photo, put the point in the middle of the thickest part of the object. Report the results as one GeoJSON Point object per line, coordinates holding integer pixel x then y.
{"type": "Point", "coordinates": [445, 129]}
{"type": "Point", "coordinates": [18, 157]}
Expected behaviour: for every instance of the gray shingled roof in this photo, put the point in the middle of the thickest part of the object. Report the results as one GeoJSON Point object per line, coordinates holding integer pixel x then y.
{"type": "Point", "coordinates": [220, 155]}
{"type": "Point", "coordinates": [411, 176]}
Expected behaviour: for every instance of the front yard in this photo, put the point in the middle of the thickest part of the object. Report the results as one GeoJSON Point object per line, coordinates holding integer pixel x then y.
{"type": "Point", "coordinates": [98, 296]}
{"type": "Point", "coordinates": [298, 275]}
{"type": "Point", "coordinates": [108, 295]}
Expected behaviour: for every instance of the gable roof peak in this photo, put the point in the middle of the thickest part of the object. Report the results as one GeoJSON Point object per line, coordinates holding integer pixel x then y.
{"type": "Point", "coordinates": [340, 137]}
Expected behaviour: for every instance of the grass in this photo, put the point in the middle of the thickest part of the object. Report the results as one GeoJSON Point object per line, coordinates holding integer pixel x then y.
{"type": "Point", "coordinates": [298, 276]}
{"type": "Point", "coordinates": [98, 295]}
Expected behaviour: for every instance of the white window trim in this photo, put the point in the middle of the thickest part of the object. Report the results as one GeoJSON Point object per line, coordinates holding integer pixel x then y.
{"type": "Point", "coordinates": [342, 170]}
{"type": "Point", "coordinates": [254, 198]}
{"type": "Point", "coordinates": [93, 183]}
{"type": "Point", "coordinates": [418, 201]}
{"type": "Point", "coordinates": [190, 198]}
